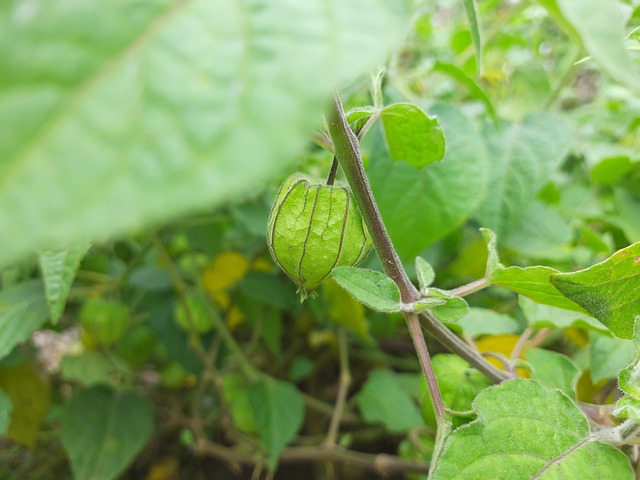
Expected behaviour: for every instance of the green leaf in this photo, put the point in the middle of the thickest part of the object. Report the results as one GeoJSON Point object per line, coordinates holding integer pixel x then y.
{"type": "Point", "coordinates": [459, 384]}
{"type": "Point", "coordinates": [104, 431]}
{"type": "Point", "coordinates": [425, 273]}
{"type": "Point", "coordinates": [169, 107]}
{"type": "Point", "coordinates": [59, 268]}
{"type": "Point", "coordinates": [421, 207]}
{"type": "Point", "coordinates": [30, 396]}
{"type": "Point", "coordinates": [610, 290]}
{"type": "Point", "coordinates": [629, 379]}
{"type": "Point", "coordinates": [6, 408]}
{"type": "Point", "coordinates": [23, 310]}
{"type": "Point", "coordinates": [522, 158]}
{"type": "Point", "coordinates": [278, 410]}
{"type": "Point", "coordinates": [493, 259]}
{"type": "Point", "coordinates": [94, 368]}
{"type": "Point", "coordinates": [374, 289]}
{"type": "Point", "coordinates": [608, 355]}
{"type": "Point", "coordinates": [481, 321]}
{"type": "Point", "coordinates": [452, 310]}
{"type": "Point", "coordinates": [412, 136]}
{"type": "Point", "coordinates": [383, 400]}
{"type": "Point", "coordinates": [236, 393]}
{"type": "Point", "coordinates": [628, 407]}
{"type": "Point", "coordinates": [600, 26]}
{"type": "Point", "coordinates": [475, 90]}
{"type": "Point", "coordinates": [541, 316]}
{"type": "Point", "coordinates": [525, 430]}
{"type": "Point", "coordinates": [474, 28]}
{"type": "Point", "coordinates": [554, 370]}
{"type": "Point", "coordinates": [535, 283]}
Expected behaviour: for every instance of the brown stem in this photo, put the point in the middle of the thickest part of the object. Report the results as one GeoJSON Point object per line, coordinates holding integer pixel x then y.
{"type": "Point", "coordinates": [343, 389]}
{"type": "Point", "coordinates": [333, 171]}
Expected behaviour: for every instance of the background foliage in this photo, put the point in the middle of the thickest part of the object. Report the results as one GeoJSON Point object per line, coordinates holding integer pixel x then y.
{"type": "Point", "coordinates": [145, 331]}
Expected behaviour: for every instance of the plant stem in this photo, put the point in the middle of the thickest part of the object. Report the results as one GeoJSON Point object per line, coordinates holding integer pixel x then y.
{"type": "Point", "coordinates": [332, 173]}
{"type": "Point", "coordinates": [419, 343]}
{"type": "Point", "coordinates": [343, 389]}
{"type": "Point", "coordinates": [347, 151]}
{"type": "Point", "coordinates": [470, 288]}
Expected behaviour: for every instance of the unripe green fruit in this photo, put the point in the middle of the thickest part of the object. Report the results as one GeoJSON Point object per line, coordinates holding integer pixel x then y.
{"type": "Point", "coordinates": [313, 228]}
{"type": "Point", "coordinates": [105, 320]}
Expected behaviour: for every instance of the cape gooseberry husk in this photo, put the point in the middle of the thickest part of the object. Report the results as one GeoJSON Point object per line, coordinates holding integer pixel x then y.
{"type": "Point", "coordinates": [313, 228]}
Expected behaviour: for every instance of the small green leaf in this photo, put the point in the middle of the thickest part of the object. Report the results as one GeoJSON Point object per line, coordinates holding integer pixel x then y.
{"type": "Point", "coordinates": [6, 408]}
{"type": "Point", "coordinates": [425, 273]}
{"type": "Point", "coordinates": [610, 290]}
{"type": "Point", "coordinates": [59, 268]}
{"type": "Point", "coordinates": [94, 368]}
{"type": "Point", "coordinates": [374, 289]}
{"type": "Point", "coordinates": [608, 355]}
{"type": "Point", "coordinates": [481, 321]}
{"type": "Point", "coordinates": [629, 379]}
{"type": "Point", "coordinates": [525, 430]}
{"type": "Point", "coordinates": [459, 384]}
{"type": "Point", "coordinates": [412, 136]}
{"type": "Point", "coordinates": [278, 410]}
{"type": "Point", "coordinates": [452, 310]}
{"type": "Point", "coordinates": [474, 27]}
{"type": "Point", "coordinates": [104, 431]}
{"type": "Point", "coordinates": [383, 400]}
{"type": "Point", "coordinates": [554, 370]}
{"type": "Point", "coordinates": [539, 315]}
{"type": "Point", "coordinates": [535, 283]}
{"type": "Point", "coordinates": [493, 259]}
{"type": "Point", "coordinates": [237, 395]}
{"type": "Point", "coordinates": [427, 303]}
{"type": "Point", "coordinates": [628, 407]}
{"type": "Point", "coordinates": [23, 309]}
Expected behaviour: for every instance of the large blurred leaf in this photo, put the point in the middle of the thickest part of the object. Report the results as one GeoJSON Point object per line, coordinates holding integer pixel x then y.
{"type": "Point", "coordinates": [525, 430]}
{"type": "Point", "coordinates": [23, 310]}
{"type": "Point", "coordinates": [104, 431]}
{"type": "Point", "coordinates": [610, 290]}
{"type": "Point", "coordinates": [420, 207]}
{"type": "Point", "coordinates": [30, 395]}
{"type": "Point", "coordinates": [278, 411]}
{"type": "Point", "coordinates": [522, 158]}
{"type": "Point", "coordinates": [122, 114]}
{"type": "Point", "coordinates": [59, 268]}
{"type": "Point", "coordinates": [600, 26]}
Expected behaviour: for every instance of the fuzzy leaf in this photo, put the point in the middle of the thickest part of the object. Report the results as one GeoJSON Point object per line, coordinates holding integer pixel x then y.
{"type": "Point", "coordinates": [374, 289]}
{"type": "Point", "coordinates": [425, 273]}
{"type": "Point", "coordinates": [610, 290]}
{"type": "Point", "coordinates": [525, 430]}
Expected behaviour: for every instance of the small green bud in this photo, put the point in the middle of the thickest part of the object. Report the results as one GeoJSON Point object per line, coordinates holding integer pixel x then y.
{"type": "Point", "coordinates": [313, 228]}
